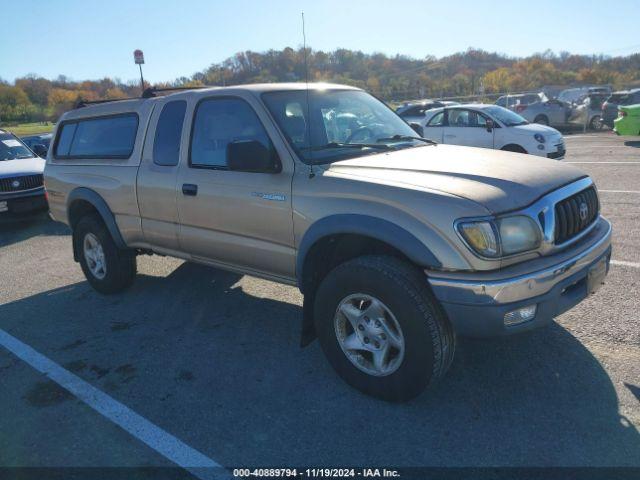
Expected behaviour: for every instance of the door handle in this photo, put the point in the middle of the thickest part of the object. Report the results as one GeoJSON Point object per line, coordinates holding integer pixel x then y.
{"type": "Point", "coordinates": [189, 189]}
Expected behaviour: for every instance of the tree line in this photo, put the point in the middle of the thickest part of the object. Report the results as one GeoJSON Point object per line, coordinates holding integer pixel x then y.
{"type": "Point", "coordinates": [393, 78]}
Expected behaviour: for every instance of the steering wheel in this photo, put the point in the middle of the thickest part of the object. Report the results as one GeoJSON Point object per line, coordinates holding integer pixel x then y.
{"type": "Point", "coordinates": [358, 131]}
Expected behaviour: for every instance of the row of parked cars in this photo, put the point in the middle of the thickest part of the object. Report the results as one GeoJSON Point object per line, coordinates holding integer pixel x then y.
{"type": "Point", "coordinates": [595, 107]}
{"type": "Point", "coordinates": [525, 122]}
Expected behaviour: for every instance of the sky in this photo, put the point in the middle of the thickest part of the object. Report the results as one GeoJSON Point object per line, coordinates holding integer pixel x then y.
{"type": "Point", "coordinates": [95, 39]}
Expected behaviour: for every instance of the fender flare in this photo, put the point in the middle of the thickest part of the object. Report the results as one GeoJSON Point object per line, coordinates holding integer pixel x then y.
{"type": "Point", "coordinates": [369, 226]}
{"type": "Point", "coordinates": [90, 196]}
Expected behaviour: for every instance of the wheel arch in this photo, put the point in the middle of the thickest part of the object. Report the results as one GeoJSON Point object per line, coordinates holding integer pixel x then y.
{"type": "Point", "coordinates": [541, 115]}
{"type": "Point", "coordinates": [380, 231]}
{"type": "Point", "coordinates": [82, 201]}
{"type": "Point", "coordinates": [514, 147]}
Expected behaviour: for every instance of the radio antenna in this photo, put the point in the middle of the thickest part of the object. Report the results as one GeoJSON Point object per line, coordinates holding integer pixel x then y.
{"type": "Point", "coordinates": [306, 80]}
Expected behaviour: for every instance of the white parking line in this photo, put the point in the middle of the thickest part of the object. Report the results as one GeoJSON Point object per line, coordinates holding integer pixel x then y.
{"type": "Point", "coordinates": [567, 137]}
{"type": "Point", "coordinates": [619, 191]}
{"type": "Point", "coordinates": [162, 442]}
{"type": "Point", "coordinates": [625, 264]}
{"type": "Point", "coordinates": [614, 163]}
{"type": "Point", "coordinates": [587, 147]}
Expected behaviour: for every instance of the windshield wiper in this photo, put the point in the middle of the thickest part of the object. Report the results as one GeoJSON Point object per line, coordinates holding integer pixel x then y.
{"type": "Point", "coordinates": [406, 137]}
{"type": "Point", "coordinates": [359, 146]}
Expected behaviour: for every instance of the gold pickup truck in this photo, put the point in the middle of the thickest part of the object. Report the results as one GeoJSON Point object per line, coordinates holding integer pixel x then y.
{"type": "Point", "coordinates": [397, 243]}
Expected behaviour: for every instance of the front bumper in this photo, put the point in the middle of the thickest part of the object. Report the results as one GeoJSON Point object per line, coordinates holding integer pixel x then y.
{"type": "Point", "coordinates": [476, 303]}
{"type": "Point", "coordinates": [19, 203]}
{"type": "Point", "coordinates": [627, 126]}
{"type": "Point", "coordinates": [560, 151]}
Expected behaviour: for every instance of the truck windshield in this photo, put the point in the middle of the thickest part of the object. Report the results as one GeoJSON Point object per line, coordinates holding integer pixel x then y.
{"type": "Point", "coordinates": [11, 148]}
{"type": "Point", "coordinates": [338, 124]}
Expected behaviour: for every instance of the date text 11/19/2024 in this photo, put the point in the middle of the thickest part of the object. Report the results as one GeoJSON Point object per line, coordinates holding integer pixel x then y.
{"type": "Point", "coordinates": [316, 472]}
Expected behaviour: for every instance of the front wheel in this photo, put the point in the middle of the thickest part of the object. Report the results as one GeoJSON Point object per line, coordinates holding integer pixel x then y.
{"type": "Point", "coordinates": [381, 328]}
{"type": "Point", "coordinates": [107, 268]}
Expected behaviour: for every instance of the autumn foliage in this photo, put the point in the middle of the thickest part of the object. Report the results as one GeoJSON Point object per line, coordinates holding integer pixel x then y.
{"type": "Point", "coordinates": [396, 77]}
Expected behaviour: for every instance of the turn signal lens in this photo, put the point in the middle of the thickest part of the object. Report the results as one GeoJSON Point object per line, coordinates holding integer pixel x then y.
{"type": "Point", "coordinates": [481, 237]}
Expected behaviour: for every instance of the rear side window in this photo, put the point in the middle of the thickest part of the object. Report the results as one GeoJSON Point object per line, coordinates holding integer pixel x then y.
{"type": "Point", "coordinates": [64, 139]}
{"type": "Point", "coordinates": [166, 144]}
{"type": "Point", "coordinates": [100, 137]}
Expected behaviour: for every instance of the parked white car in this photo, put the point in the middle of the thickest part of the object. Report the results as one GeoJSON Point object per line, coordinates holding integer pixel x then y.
{"type": "Point", "coordinates": [491, 126]}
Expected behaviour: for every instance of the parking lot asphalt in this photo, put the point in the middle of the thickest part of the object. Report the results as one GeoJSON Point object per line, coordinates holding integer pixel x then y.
{"type": "Point", "coordinates": [213, 359]}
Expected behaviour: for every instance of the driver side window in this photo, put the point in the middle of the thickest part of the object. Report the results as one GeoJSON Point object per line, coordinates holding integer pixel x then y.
{"type": "Point", "coordinates": [217, 123]}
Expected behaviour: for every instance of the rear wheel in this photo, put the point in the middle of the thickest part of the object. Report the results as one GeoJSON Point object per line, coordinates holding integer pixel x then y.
{"type": "Point", "coordinates": [107, 268]}
{"type": "Point", "coordinates": [542, 120]}
{"type": "Point", "coordinates": [596, 123]}
{"type": "Point", "coordinates": [381, 328]}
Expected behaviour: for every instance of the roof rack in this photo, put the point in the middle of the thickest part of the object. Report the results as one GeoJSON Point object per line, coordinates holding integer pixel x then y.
{"type": "Point", "coordinates": [152, 91]}
{"type": "Point", "coordinates": [84, 103]}
{"type": "Point", "coordinates": [149, 92]}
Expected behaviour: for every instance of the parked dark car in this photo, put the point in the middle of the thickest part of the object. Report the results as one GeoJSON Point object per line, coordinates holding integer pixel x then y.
{"type": "Point", "coordinates": [610, 107]}
{"type": "Point", "coordinates": [414, 112]}
{"type": "Point", "coordinates": [32, 141]}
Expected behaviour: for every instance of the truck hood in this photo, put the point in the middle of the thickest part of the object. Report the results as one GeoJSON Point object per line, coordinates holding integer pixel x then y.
{"type": "Point", "coordinates": [21, 166]}
{"type": "Point", "coordinates": [500, 181]}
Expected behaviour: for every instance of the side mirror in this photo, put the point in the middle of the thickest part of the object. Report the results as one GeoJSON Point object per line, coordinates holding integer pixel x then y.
{"type": "Point", "coordinates": [251, 156]}
{"type": "Point", "coordinates": [490, 125]}
{"type": "Point", "coordinates": [40, 150]}
{"type": "Point", "coordinates": [417, 128]}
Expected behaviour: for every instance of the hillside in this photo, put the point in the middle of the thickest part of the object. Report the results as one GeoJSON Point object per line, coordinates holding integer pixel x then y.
{"type": "Point", "coordinates": [393, 78]}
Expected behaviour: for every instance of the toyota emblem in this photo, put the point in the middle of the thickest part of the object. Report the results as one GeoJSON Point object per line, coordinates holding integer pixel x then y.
{"type": "Point", "coordinates": [15, 183]}
{"type": "Point", "coordinates": [584, 211]}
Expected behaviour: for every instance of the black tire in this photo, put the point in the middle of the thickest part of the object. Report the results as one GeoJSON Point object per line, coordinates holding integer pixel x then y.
{"type": "Point", "coordinates": [596, 123]}
{"type": "Point", "coordinates": [120, 264]}
{"type": "Point", "coordinates": [429, 339]}
{"type": "Point", "coordinates": [513, 148]}
{"type": "Point", "coordinates": [542, 120]}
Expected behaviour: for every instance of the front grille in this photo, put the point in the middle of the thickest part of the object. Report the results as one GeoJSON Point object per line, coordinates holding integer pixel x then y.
{"type": "Point", "coordinates": [575, 214]}
{"type": "Point", "coordinates": [17, 184]}
{"type": "Point", "coordinates": [560, 151]}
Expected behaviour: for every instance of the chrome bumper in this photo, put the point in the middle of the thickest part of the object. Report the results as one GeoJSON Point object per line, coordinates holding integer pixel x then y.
{"type": "Point", "coordinates": [512, 285]}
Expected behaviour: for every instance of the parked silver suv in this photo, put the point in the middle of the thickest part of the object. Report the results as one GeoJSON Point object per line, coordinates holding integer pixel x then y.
{"type": "Point", "coordinates": [398, 244]}
{"type": "Point", "coordinates": [537, 108]}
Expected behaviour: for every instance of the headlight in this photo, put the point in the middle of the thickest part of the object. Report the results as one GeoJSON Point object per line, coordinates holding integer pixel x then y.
{"type": "Point", "coordinates": [518, 234]}
{"type": "Point", "coordinates": [539, 137]}
{"type": "Point", "coordinates": [481, 237]}
{"type": "Point", "coordinates": [501, 237]}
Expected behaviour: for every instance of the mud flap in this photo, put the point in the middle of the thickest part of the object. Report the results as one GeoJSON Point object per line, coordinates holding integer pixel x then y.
{"type": "Point", "coordinates": [308, 334]}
